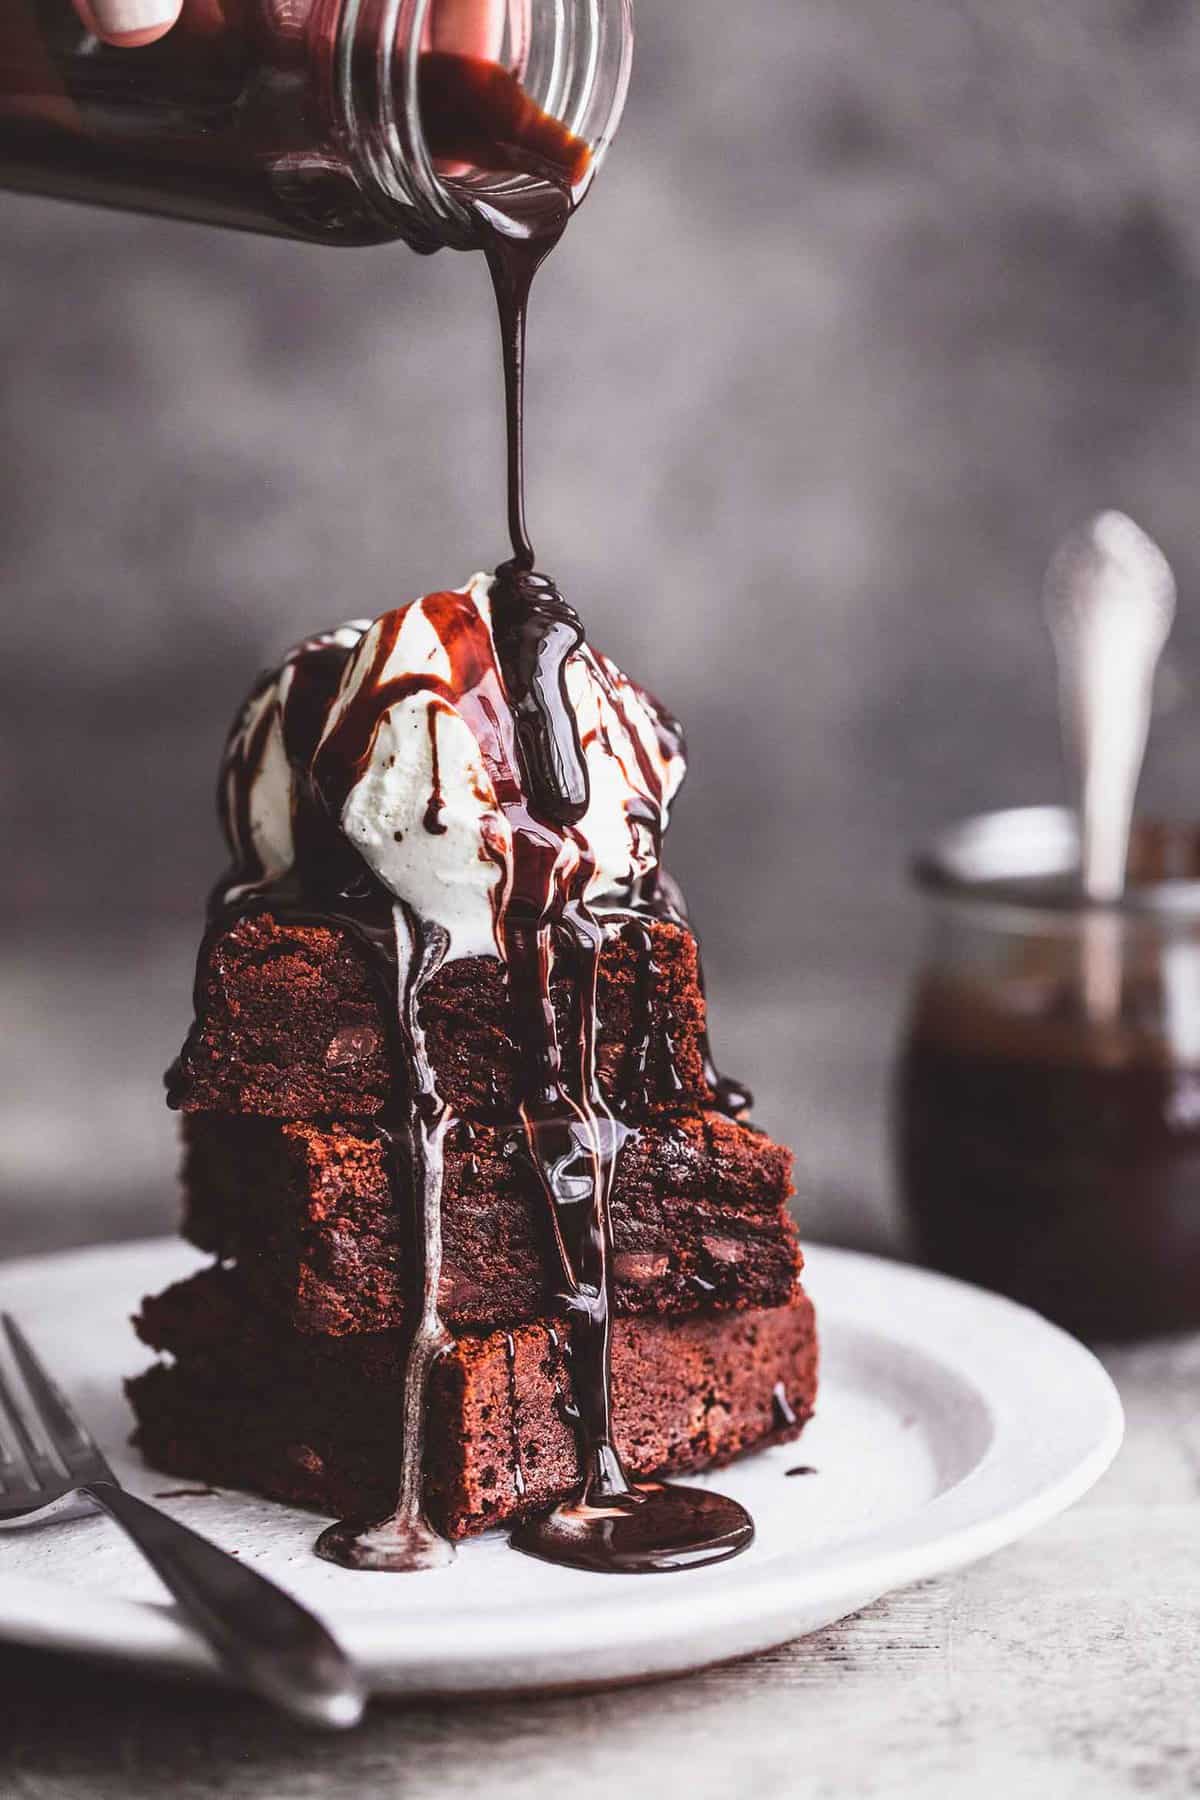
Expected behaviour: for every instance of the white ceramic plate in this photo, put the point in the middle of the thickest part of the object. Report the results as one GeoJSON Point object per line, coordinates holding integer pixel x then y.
{"type": "Point", "coordinates": [949, 1422]}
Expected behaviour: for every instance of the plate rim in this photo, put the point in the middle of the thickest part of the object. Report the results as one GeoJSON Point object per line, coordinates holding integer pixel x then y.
{"type": "Point", "coordinates": [748, 1606]}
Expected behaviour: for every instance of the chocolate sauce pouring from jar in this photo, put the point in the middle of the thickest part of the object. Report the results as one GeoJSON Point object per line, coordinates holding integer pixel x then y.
{"type": "Point", "coordinates": [573, 1138]}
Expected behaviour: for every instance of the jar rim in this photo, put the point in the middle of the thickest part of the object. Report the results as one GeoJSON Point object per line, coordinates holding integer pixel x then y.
{"type": "Point", "coordinates": [584, 82]}
{"type": "Point", "coordinates": [1024, 860]}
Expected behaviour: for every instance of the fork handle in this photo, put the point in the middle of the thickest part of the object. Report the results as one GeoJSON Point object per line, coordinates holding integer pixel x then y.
{"type": "Point", "coordinates": [256, 1631]}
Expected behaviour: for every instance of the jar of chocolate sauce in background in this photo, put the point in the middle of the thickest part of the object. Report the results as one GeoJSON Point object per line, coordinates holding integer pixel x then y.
{"type": "Point", "coordinates": [1043, 1151]}
{"type": "Point", "coordinates": [327, 120]}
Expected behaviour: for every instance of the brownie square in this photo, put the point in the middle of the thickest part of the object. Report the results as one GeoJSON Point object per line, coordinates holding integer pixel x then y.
{"type": "Point", "coordinates": [291, 1025]}
{"type": "Point", "coordinates": [699, 1221]}
{"type": "Point", "coordinates": [312, 1420]}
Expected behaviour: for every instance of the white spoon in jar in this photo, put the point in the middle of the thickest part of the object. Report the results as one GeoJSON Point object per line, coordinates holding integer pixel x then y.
{"type": "Point", "coordinates": [1109, 600]}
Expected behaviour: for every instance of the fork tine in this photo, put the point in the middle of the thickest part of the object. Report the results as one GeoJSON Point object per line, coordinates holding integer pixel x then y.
{"type": "Point", "coordinates": [10, 1463]}
{"type": "Point", "coordinates": [46, 1472]}
{"type": "Point", "coordinates": [74, 1443]}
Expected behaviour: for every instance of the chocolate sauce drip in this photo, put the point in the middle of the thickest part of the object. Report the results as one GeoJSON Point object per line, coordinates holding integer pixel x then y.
{"type": "Point", "coordinates": [782, 1409]}
{"type": "Point", "coordinates": [638, 1064]}
{"type": "Point", "coordinates": [564, 1402]}
{"type": "Point", "coordinates": [535, 632]}
{"type": "Point", "coordinates": [575, 1144]}
{"type": "Point", "coordinates": [641, 1047]}
{"type": "Point", "coordinates": [402, 954]}
{"type": "Point", "coordinates": [433, 811]}
{"type": "Point", "coordinates": [317, 670]}
{"type": "Point", "coordinates": [801, 1469]}
{"type": "Point", "coordinates": [514, 1402]}
{"type": "Point", "coordinates": [405, 1540]}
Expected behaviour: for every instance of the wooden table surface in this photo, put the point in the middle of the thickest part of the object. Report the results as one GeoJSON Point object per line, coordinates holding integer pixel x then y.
{"type": "Point", "coordinates": [1066, 1665]}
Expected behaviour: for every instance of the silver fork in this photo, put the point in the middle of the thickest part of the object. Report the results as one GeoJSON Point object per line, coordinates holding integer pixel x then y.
{"type": "Point", "coordinates": [257, 1632]}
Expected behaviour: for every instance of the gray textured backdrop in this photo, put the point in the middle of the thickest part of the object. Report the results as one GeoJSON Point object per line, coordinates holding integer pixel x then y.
{"type": "Point", "coordinates": [869, 304]}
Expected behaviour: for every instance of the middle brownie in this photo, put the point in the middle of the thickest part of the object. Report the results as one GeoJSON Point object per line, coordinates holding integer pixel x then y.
{"type": "Point", "coordinates": [699, 1221]}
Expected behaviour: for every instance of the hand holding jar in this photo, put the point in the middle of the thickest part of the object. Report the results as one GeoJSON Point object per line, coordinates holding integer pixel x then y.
{"type": "Point", "coordinates": [470, 27]}
{"type": "Point", "coordinates": [347, 122]}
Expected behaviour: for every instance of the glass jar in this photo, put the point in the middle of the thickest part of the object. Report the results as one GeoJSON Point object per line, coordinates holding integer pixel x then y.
{"type": "Point", "coordinates": [1047, 1106]}
{"type": "Point", "coordinates": [327, 120]}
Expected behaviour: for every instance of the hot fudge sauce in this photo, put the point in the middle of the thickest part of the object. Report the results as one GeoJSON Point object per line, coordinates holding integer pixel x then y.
{"type": "Point", "coordinates": [1043, 1152]}
{"type": "Point", "coordinates": [1052, 1164]}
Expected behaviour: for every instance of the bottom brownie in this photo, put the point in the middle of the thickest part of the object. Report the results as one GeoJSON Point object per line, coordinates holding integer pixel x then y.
{"type": "Point", "coordinates": [315, 1420]}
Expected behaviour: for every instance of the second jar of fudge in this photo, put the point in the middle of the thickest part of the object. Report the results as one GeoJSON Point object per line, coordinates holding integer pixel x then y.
{"type": "Point", "coordinates": [1047, 1105]}
{"type": "Point", "coordinates": [335, 121]}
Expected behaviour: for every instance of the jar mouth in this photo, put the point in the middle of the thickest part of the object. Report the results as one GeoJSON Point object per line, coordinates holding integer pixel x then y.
{"type": "Point", "coordinates": [572, 59]}
{"type": "Point", "coordinates": [1025, 859]}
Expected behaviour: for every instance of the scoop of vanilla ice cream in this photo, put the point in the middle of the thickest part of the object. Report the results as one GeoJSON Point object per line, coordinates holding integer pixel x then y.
{"type": "Point", "coordinates": [424, 812]}
{"type": "Point", "coordinates": [422, 807]}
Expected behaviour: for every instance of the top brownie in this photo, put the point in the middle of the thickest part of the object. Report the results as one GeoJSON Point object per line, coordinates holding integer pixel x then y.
{"type": "Point", "coordinates": [291, 1025]}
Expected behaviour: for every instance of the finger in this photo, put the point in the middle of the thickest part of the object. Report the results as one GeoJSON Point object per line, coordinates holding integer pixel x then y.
{"type": "Point", "coordinates": [128, 23]}
{"type": "Point", "coordinates": [212, 18]}
{"type": "Point", "coordinates": [470, 27]}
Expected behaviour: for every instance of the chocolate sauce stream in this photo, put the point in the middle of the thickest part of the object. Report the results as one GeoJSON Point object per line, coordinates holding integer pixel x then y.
{"type": "Point", "coordinates": [535, 629]}
{"type": "Point", "coordinates": [511, 687]}
{"type": "Point", "coordinates": [574, 1141]}
{"type": "Point", "coordinates": [513, 259]}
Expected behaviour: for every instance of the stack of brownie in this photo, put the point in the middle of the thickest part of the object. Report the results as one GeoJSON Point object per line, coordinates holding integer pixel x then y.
{"type": "Point", "coordinates": [288, 1353]}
